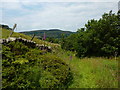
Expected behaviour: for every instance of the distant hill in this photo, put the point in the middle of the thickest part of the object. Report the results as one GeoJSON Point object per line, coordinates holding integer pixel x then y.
{"type": "Point", "coordinates": [56, 33]}
{"type": "Point", "coordinates": [5, 27]}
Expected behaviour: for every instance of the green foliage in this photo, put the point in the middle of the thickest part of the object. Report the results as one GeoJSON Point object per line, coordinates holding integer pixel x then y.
{"type": "Point", "coordinates": [53, 40]}
{"type": "Point", "coordinates": [20, 61]}
{"type": "Point", "coordinates": [98, 38]}
{"type": "Point", "coordinates": [58, 69]}
{"type": "Point", "coordinates": [24, 67]}
{"type": "Point", "coordinates": [18, 48]}
{"type": "Point", "coordinates": [48, 80]}
{"type": "Point", "coordinates": [95, 72]}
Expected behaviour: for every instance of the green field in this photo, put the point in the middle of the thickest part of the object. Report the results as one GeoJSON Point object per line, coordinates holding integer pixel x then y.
{"type": "Point", "coordinates": [95, 72]}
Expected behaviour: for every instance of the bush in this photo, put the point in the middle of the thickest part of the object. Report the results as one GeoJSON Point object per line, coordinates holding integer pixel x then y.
{"type": "Point", "coordinates": [48, 80]}
{"type": "Point", "coordinates": [18, 48]}
{"type": "Point", "coordinates": [58, 69]}
{"type": "Point", "coordinates": [31, 68]}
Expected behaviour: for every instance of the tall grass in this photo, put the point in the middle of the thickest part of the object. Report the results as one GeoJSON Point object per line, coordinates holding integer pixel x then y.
{"type": "Point", "coordinates": [96, 72]}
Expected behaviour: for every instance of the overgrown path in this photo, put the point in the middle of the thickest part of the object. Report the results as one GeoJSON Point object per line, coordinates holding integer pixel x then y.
{"type": "Point", "coordinates": [94, 72]}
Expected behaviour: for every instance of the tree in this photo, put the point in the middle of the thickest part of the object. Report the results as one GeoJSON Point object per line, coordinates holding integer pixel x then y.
{"type": "Point", "coordinates": [98, 38]}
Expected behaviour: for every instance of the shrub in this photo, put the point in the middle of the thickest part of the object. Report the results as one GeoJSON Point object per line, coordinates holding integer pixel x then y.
{"type": "Point", "coordinates": [58, 69]}
{"type": "Point", "coordinates": [48, 80]}
{"type": "Point", "coordinates": [31, 68]}
{"type": "Point", "coordinates": [18, 48]}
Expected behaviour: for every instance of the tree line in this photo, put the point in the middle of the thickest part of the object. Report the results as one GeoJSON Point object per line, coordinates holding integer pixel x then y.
{"type": "Point", "coordinates": [98, 37]}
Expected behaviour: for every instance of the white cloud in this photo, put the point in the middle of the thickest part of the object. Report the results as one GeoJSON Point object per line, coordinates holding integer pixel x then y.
{"type": "Point", "coordinates": [11, 5]}
{"type": "Point", "coordinates": [66, 16]}
{"type": "Point", "coordinates": [60, 0]}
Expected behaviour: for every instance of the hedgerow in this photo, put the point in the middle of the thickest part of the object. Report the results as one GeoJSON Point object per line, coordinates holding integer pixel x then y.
{"type": "Point", "coordinates": [24, 67]}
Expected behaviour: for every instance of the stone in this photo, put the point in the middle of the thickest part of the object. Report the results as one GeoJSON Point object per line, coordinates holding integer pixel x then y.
{"type": "Point", "coordinates": [12, 38]}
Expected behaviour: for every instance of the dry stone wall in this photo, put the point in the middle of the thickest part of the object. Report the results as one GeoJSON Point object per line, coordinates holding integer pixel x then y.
{"type": "Point", "coordinates": [28, 43]}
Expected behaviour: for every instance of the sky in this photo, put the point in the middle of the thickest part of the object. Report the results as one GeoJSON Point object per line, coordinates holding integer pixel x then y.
{"type": "Point", "coordinates": [67, 15]}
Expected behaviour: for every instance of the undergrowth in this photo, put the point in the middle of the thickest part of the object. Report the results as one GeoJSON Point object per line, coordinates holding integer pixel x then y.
{"type": "Point", "coordinates": [94, 72]}
{"type": "Point", "coordinates": [24, 67]}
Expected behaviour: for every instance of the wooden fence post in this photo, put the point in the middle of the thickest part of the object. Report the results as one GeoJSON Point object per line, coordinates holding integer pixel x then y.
{"type": "Point", "coordinates": [13, 30]}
